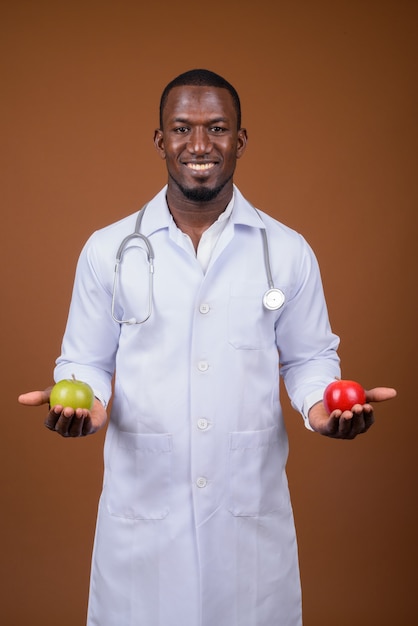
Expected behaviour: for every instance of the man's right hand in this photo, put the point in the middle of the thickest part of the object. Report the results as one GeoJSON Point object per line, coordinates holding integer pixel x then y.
{"type": "Point", "coordinates": [66, 421]}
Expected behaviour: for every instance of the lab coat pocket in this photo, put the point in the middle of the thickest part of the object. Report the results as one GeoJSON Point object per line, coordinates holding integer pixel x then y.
{"type": "Point", "coordinates": [250, 325]}
{"type": "Point", "coordinates": [139, 476]}
{"type": "Point", "coordinates": [257, 479]}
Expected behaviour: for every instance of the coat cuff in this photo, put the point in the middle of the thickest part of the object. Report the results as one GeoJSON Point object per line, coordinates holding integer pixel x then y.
{"type": "Point", "coordinates": [312, 398]}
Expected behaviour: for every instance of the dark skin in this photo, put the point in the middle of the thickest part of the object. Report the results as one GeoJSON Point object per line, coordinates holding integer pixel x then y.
{"type": "Point", "coordinates": [200, 143]}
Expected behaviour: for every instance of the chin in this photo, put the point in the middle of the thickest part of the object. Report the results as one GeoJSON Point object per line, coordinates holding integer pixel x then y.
{"type": "Point", "coordinates": [201, 193]}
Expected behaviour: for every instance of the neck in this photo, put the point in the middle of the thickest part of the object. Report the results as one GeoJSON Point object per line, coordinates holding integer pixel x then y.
{"type": "Point", "coordinates": [193, 217]}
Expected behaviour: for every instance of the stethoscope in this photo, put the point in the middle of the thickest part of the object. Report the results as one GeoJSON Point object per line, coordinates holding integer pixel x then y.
{"type": "Point", "coordinates": [273, 299]}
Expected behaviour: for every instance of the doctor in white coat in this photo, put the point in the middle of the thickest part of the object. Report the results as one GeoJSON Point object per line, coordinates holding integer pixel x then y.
{"type": "Point", "coordinates": [195, 525]}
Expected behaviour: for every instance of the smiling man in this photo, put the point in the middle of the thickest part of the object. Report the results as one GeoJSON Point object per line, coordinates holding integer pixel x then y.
{"type": "Point", "coordinates": [201, 139]}
{"type": "Point", "coordinates": [195, 525]}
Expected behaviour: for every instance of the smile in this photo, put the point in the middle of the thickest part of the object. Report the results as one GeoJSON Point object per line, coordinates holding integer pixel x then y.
{"type": "Point", "coordinates": [199, 167]}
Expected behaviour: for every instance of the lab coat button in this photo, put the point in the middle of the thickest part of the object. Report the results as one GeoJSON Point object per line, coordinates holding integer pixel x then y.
{"type": "Point", "coordinates": [204, 308]}
{"type": "Point", "coordinates": [202, 423]}
{"type": "Point", "coordinates": [201, 482]}
{"type": "Point", "coordinates": [203, 366]}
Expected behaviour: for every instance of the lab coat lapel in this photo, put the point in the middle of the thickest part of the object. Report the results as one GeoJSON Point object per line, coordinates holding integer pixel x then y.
{"type": "Point", "coordinates": [243, 214]}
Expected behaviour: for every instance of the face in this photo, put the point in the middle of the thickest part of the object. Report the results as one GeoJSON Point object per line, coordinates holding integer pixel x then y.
{"type": "Point", "coordinates": [200, 141]}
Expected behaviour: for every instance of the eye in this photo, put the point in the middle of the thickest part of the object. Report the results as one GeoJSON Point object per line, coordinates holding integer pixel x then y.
{"type": "Point", "coordinates": [217, 129]}
{"type": "Point", "coordinates": [180, 130]}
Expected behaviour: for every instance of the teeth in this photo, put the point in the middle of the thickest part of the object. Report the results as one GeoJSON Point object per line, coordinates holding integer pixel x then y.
{"type": "Point", "coordinates": [200, 166]}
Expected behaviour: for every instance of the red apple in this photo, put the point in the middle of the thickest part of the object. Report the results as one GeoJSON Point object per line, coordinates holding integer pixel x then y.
{"type": "Point", "coordinates": [343, 395]}
{"type": "Point", "coordinates": [72, 393]}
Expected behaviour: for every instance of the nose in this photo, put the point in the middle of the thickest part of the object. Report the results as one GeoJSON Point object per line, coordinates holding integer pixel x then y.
{"type": "Point", "coordinates": [199, 141]}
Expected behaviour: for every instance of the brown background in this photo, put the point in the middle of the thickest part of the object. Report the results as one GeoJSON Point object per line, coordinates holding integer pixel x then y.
{"type": "Point", "coordinates": [329, 95]}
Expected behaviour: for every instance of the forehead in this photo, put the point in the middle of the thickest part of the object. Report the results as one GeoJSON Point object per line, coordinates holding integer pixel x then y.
{"type": "Point", "coordinates": [197, 103]}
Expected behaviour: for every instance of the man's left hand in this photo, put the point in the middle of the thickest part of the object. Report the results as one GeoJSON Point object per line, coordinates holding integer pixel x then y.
{"type": "Point", "coordinates": [348, 424]}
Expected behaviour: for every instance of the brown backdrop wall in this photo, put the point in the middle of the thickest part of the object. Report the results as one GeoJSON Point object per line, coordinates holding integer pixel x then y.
{"type": "Point", "coordinates": [329, 99]}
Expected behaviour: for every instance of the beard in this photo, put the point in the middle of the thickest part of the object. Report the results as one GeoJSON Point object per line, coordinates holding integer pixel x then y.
{"type": "Point", "coordinates": [201, 193]}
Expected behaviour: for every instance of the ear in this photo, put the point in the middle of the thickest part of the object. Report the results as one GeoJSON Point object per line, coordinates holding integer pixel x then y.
{"type": "Point", "coordinates": [241, 142]}
{"type": "Point", "coordinates": [159, 142]}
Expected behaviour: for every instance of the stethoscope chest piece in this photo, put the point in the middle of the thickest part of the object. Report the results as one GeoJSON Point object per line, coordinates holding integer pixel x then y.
{"type": "Point", "coordinates": [273, 299]}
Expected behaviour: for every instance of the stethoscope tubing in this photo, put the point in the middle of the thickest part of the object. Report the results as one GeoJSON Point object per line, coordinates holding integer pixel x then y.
{"type": "Point", "coordinates": [273, 299]}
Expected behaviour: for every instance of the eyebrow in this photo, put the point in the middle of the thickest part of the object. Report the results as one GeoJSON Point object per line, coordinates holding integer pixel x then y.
{"type": "Point", "coordinates": [215, 120]}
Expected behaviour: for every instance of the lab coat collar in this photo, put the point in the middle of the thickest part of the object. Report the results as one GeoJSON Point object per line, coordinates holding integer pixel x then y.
{"type": "Point", "coordinates": [244, 212]}
{"type": "Point", "coordinates": [157, 215]}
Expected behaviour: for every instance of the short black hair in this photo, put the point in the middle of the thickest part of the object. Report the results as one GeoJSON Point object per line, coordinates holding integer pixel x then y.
{"type": "Point", "coordinates": [201, 78]}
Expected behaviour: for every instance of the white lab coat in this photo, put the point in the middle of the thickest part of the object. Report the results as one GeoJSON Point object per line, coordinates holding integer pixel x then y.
{"type": "Point", "coordinates": [195, 525]}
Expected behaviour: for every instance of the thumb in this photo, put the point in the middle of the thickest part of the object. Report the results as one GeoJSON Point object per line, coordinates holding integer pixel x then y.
{"type": "Point", "coordinates": [35, 398]}
{"type": "Point", "coordinates": [379, 394]}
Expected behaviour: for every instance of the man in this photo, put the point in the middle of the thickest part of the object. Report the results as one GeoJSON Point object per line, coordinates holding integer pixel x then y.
{"type": "Point", "coordinates": [195, 525]}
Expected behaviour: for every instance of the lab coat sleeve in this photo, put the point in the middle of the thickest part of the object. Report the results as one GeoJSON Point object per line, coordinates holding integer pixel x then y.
{"type": "Point", "coordinates": [307, 346]}
{"type": "Point", "coordinates": [91, 337]}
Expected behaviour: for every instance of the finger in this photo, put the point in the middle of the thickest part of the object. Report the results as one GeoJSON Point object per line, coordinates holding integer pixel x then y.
{"type": "Point", "coordinates": [358, 422]}
{"type": "Point", "coordinates": [345, 427]}
{"type": "Point", "coordinates": [368, 416]}
{"type": "Point", "coordinates": [64, 421]}
{"type": "Point", "coordinates": [34, 398]}
{"type": "Point", "coordinates": [333, 424]}
{"type": "Point", "coordinates": [88, 426]}
{"type": "Point", "coordinates": [379, 394]}
{"type": "Point", "coordinates": [77, 423]}
{"type": "Point", "coordinates": [52, 417]}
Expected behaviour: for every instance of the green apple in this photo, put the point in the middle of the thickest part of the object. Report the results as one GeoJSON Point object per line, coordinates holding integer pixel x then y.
{"type": "Point", "coordinates": [73, 393]}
